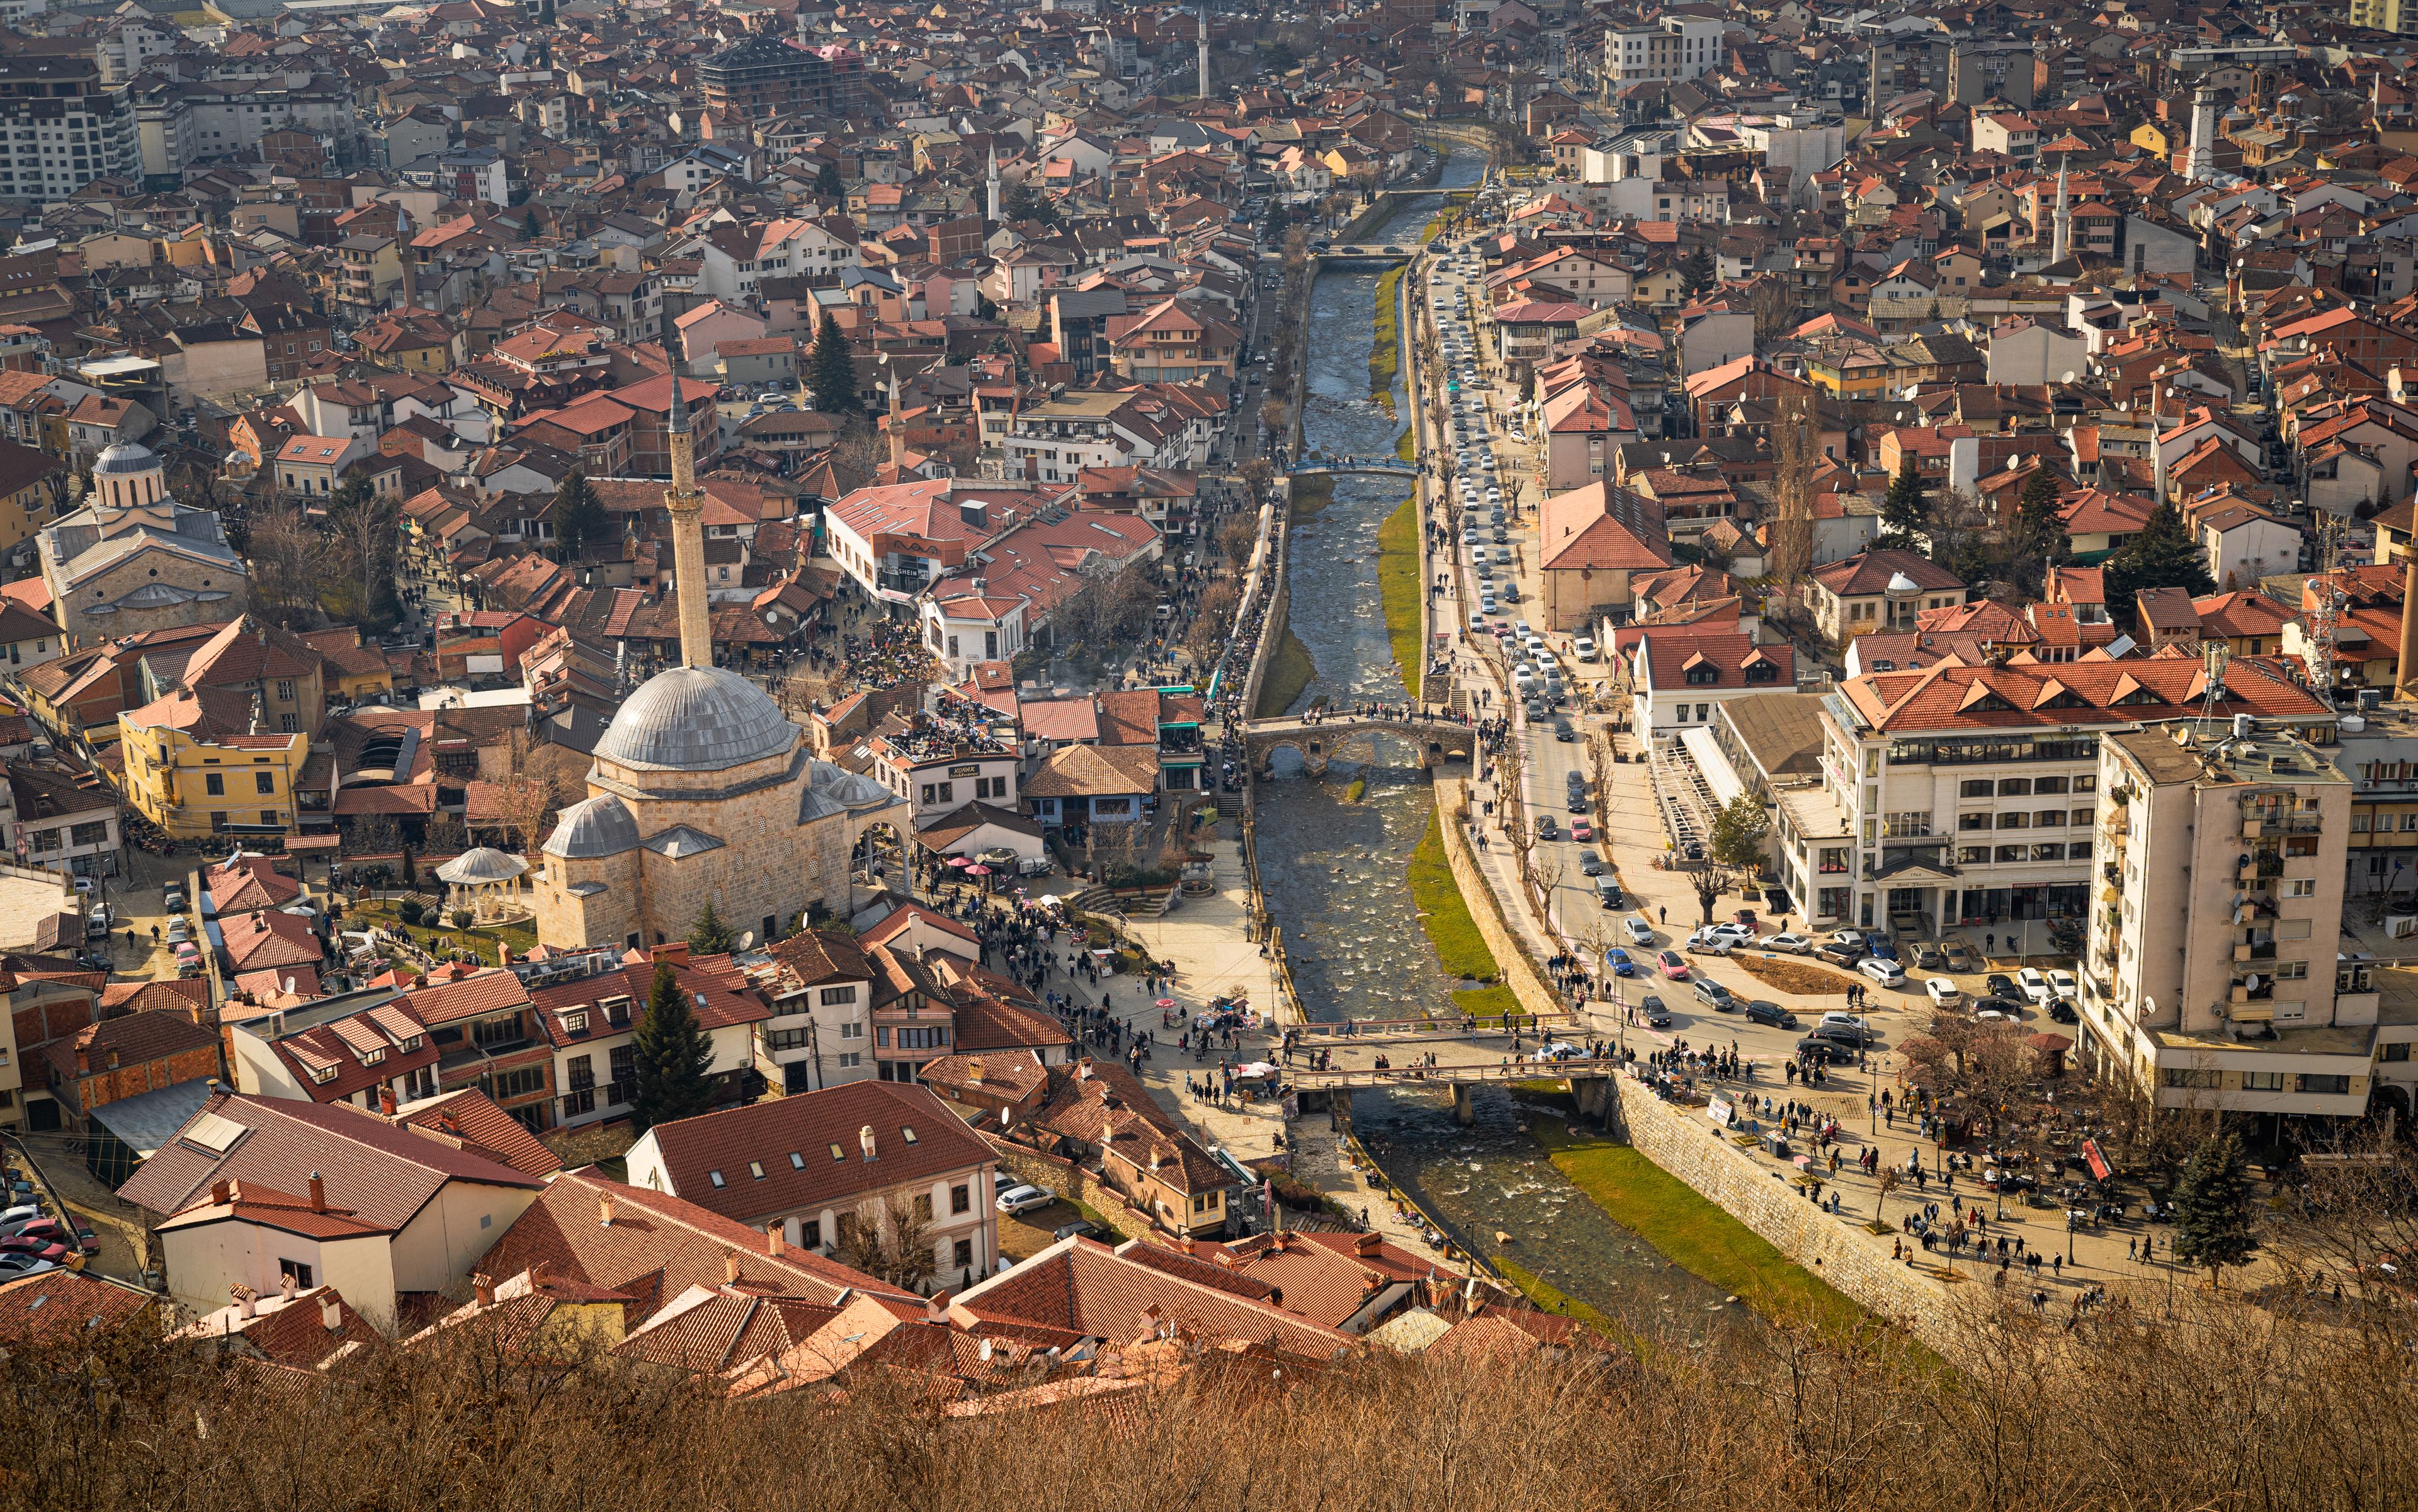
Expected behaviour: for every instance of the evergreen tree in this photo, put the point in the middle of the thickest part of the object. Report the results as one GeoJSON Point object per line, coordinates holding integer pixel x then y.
{"type": "Point", "coordinates": [2163, 555]}
{"type": "Point", "coordinates": [670, 1055]}
{"type": "Point", "coordinates": [833, 376]}
{"type": "Point", "coordinates": [2039, 540]}
{"type": "Point", "coordinates": [1698, 273]}
{"type": "Point", "coordinates": [1906, 507]}
{"type": "Point", "coordinates": [2212, 1207]}
{"type": "Point", "coordinates": [577, 515]}
{"type": "Point", "coordinates": [828, 184]}
{"type": "Point", "coordinates": [708, 935]}
{"type": "Point", "coordinates": [1022, 202]}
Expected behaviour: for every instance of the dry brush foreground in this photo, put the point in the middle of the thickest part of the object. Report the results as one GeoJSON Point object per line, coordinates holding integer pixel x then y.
{"type": "Point", "coordinates": [2223, 1406]}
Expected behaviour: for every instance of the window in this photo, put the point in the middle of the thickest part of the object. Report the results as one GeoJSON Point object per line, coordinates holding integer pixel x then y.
{"type": "Point", "coordinates": [853, 1030]}
{"type": "Point", "coordinates": [2300, 887]}
{"type": "Point", "coordinates": [264, 782]}
{"type": "Point", "coordinates": [2009, 855]}
{"type": "Point", "coordinates": [297, 1269]}
{"type": "Point", "coordinates": [2049, 850]}
{"type": "Point", "coordinates": [527, 1081]}
{"type": "Point", "coordinates": [1973, 821]}
{"type": "Point", "coordinates": [907, 1132]}
{"type": "Point", "coordinates": [838, 994]}
{"type": "Point", "coordinates": [2014, 820]}
{"type": "Point", "coordinates": [2051, 818]}
{"type": "Point", "coordinates": [2262, 1081]}
{"type": "Point", "coordinates": [2327, 1086]}
{"type": "Point", "coordinates": [924, 1206]}
{"type": "Point", "coordinates": [961, 1199]}
{"type": "Point", "coordinates": [2042, 785]}
{"type": "Point", "coordinates": [851, 1058]}
{"type": "Point", "coordinates": [838, 1154]}
{"type": "Point", "coordinates": [2187, 1077]}
{"type": "Point", "coordinates": [2400, 1051]}
{"type": "Point", "coordinates": [1832, 859]}
{"type": "Point", "coordinates": [2014, 786]}
{"type": "Point", "coordinates": [810, 1233]}
{"type": "Point", "coordinates": [94, 834]}
{"type": "Point", "coordinates": [1975, 788]}
{"type": "Point", "coordinates": [214, 784]}
{"type": "Point", "coordinates": [787, 1039]}
{"type": "Point", "coordinates": [580, 1071]}
{"type": "Point", "coordinates": [715, 1177]}
{"type": "Point", "coordinates": [756, 1169]}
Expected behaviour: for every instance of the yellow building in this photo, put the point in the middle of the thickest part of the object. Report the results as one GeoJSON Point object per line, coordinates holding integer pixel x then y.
{"type": "Point", "coordinates": [2154, 138]}
{"type": "Point", "coordinates": [198, 764]}
{"type": "Point", "coordinates": [25, 496]}
{"type": "Point", "coordinates": [1849, 372]}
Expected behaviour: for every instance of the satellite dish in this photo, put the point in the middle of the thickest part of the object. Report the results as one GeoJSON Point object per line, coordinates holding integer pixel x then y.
{"type": "Point", "coordinates": [2066, 376]}
{"type": "Point", "coordinates": [746, 939]}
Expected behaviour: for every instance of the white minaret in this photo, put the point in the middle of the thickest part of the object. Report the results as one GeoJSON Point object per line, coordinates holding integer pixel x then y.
{"type": "Point", "coordinates": [993, 185]}
{"type": "Point", "coordinates": [2200, 167]}
{"type": "Point", "coordinates": [2062, 241]}
{"type": "Point", "coordinates": [1204, 49]}
{"type": "Point", "coordinates": [2157, 451]}
{"type": "Point", "coordinates": [686, 501]}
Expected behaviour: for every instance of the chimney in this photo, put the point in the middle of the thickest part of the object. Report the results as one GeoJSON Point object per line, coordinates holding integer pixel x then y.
{"type": "Point", "coordinates": [482, 1287]}
{"type": "Point", "coordinates": [974, 1071]}
{"type": "Point", "coordinates": [285, 1286]}
{"type": "Point", "coordinates": [2406, 674]}
{"type": "Point", "coordinates": [318, 1194]}
{"type": "Point", "coordinates": [730, 1267]}
{"type": "Point", "coordinates": [221, 1193]}
{"type": "Point", "coordinates": [246, 1300]}
{"type": "Point", "coordinates": [936, 1306]}
{"type": "Point", "coordinates": [772, 1236]}
{"type": "Point", "coordinates": [332, 1313]}
{"type": "Point", "coordinates": [675, 952]}
{"type": "Point", "coordinates": [386, 1101]}
{"type": "Point", "coordinates": [604, 1211]}
{"type": "Point", "coordinates": [1084, 1069]}
{"type": "Point", "coordinates": [864, 1140]}
{"type": "Point", "coordinates": [1368, 1244]}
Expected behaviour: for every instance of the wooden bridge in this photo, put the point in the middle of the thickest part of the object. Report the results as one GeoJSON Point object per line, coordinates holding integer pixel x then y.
{"type": "Point", "coordinates": [1354, 738]}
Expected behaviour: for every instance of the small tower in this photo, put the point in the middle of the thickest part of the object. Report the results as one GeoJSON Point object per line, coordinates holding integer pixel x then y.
{"type": "Point", "coordinates": [2064, 235]}
{"type": "Point", "coordinates": [686, 501]}
{"type": "Point", "coordinates": [991, 182]}
{"type": "Point", "coordinates": [1204, 49]}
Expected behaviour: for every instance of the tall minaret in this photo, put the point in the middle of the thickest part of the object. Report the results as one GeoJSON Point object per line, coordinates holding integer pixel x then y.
{"type": "Point", "coordinates": [993, 184]}
{"type": "Point", "coordinates": [1204, 49]}
{"type": "Point", "coordinates": [686, 502]}
{"type": "Point", "coordinates": [2064, 235]}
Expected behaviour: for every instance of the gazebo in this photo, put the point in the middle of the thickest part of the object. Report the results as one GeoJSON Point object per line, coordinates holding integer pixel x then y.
{"type": "Point", "coordinates": [485, 882]}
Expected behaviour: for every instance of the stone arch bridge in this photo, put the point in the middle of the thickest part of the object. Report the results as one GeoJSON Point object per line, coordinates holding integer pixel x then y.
{"type": "Point", "coordinates": [1355, 737]}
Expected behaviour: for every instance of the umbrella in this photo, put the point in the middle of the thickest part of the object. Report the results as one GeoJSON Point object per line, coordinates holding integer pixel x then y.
{"type": "Point", "coordinates": [977, 871]}
{"type": "Point", "coordinates": [959, 861]}
{"type": "Point", "coordinates": [1164, 1002]}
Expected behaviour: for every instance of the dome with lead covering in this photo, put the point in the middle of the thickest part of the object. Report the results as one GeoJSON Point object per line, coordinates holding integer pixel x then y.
{"type": "Point", "coordinates": [126, 457]}
{"type": "Point", "coordinates": [481, 863]}
{"type": "Point", "coordinates": [695, 719]}
{"type": "Point", "coordinates": [599, 826]}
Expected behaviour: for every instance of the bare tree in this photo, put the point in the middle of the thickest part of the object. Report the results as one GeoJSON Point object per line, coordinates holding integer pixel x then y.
{"type": "Point", "coordinates": [890, 1240]}
{"type": "Point", "coordinates": [1796, 452]}
{"type": "Point", "coordinates": [289, 561]}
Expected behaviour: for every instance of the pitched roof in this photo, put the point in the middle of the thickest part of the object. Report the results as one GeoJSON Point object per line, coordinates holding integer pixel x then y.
{"type": "Point", "coordinates": [808, 1151]}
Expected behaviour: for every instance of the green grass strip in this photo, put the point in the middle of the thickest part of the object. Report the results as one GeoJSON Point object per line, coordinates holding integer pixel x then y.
{"type": "Point", "coordinates": [1695, 1233]}
{"type": "Point", "coordinates": [1551, 1298]}
{"type": "Point", "coordinates": [1405, 445]}
{"type": "Point", "coordinates": [1290, 670]}
{"type": "Point", "coordinates": [1385, 356]}
{"type": "Point", "coordinates": [1398, 589]}
{"type": "Point", "coordinates": [1444, 913]}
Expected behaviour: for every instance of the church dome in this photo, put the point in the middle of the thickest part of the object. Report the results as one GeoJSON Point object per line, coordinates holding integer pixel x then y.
{"type": "Point", "coordinates": [599, 826]}
{"type": "Point", "coordinates": [126, 457]}
{"type": "Point", "coordinates": [695, 719]}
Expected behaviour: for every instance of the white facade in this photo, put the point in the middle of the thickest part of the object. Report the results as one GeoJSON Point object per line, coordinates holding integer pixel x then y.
{"type": "Point", "coordinates": [1682, 47]}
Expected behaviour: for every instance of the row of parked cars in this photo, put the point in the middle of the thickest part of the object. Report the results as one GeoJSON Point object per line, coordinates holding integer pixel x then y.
{"type": "Point", "coordinates": [32, 1239]}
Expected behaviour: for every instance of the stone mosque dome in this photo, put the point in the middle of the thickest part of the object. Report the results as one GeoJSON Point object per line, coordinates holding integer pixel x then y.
{"type": "Point", "coordinates": [695, 719]}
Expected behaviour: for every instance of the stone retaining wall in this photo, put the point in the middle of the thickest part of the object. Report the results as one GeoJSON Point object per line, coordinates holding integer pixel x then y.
{"type": "Point", "coordinates": [1069, 1180]}
{"type": "Point", "coordinates": [1520, 971]}
{"type": "Point", "coordinates": [1683, 1141]}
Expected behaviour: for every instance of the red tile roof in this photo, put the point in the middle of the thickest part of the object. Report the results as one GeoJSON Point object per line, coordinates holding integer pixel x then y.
{"type": "Point", "coordinates": [793, 1139]}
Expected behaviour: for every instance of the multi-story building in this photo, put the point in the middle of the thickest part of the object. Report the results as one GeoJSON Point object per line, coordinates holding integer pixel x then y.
{"type": "Point", "coordinates": [1680, 47]}
{"type": "Point", "coordinates": [592, 1022]}
{"type": "Point", "coordinates": [819, 1164]}
{"type": "Point", "coordinates": [133, 560]}
{"type": "Point", "coordinates": [198, 763]}
{"type": "Point", "coordinates": [2213, 972]}
{"type": "Point", "coordinates": [765, 76]}
{"type": "Point", "coordinates": [63, 127]}
{"type": "Point", "coordinates": [1960, 794]}
{"type": "Point", "coordinates": [176, 123]}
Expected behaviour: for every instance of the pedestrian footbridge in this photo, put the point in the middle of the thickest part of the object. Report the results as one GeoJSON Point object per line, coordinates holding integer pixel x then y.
{"type": "Point", "coordinates": [1589, 1080]}
{"type": "Point", "coordinates": [1354, 738]}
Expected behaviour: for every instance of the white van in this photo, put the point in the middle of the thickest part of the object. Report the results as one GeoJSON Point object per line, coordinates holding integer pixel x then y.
{"type": "Point", "coordinates": [1583, 647]}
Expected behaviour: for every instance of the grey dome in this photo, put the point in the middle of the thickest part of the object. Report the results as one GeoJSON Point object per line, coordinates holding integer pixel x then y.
{"type": "Point", "coordinates": [126, 457]}
{"type": "Point", "coordinates": [481, 864]}
{"type": "Point", "coordinates": [850, 789]}
{"type": "Point", "coordinates": [599, 826]}
{"type": "Point", "coordinates": [695, 719]}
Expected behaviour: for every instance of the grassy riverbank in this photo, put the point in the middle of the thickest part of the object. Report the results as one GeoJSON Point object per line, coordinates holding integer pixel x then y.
{"type": "Point", "coordinates": [1444, 913]}
{"type": "Point", "coordinates": [1385, 357]}
{"type": "Point", "coordinates": [1310, 495]}
{"type": "Point", "coordinates": [1398, 589]}
{"type": "Point", "coordinates": [1290, 670]}
{"type": "Point", "coordinates": [1693, 1232]}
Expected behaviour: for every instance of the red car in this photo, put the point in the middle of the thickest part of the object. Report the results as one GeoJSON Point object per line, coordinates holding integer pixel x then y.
{"type": "Point", "coordinates": [50, 1230]}
{"type": "Point", "coordinates": [42, 1249]}
{"type": "Point", "coordinates": [1582, 830]}
{"type": "Point", "coordinates": [1670, 965]}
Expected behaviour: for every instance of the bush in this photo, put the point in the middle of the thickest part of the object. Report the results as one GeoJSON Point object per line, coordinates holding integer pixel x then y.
{"type": "Point", "coordinates": [408, 911]}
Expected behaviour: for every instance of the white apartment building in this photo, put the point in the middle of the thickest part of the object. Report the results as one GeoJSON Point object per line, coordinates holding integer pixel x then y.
{"type": "Point", "coordinates": [1959, 795]}
{"type": "Point", "coordinates": [178, 123]}
{"type": "Point", "coordinates": [2213, 971]}
{"type": "Point", "coordinates": [60, 128]}
{"type": "Point", "coordinates": [1680, 47]}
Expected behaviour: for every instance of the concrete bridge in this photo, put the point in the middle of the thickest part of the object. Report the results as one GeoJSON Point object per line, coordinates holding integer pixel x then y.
{"type": "Point", "coordinates": [1589, 1081]}
{"type": "Point", "coordinates": [1354, 738]}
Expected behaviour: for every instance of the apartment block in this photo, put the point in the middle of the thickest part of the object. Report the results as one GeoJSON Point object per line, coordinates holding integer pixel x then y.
{"type": "Point", "coordinates": [2214, 972]}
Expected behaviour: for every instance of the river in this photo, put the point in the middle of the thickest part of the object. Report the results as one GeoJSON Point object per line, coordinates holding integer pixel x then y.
{"type": "Point", "coordinates": [1334, 871]}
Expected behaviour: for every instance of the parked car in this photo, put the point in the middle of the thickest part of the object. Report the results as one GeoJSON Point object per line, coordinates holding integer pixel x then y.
{"type": "Point", "coordinates": [1640, 932]}
{"type": "Point", "coordinates": [1943, 992]}
{"type": "Point", "coordinates": [1927, 958]}
{"type": "Point", "coordinates": [1715, 996]}
{"type": "Point", "coordinates": [1671, 964]}
{"type": "Point", "coordinates": [2000, 1007]}
{"type": "Point", "coordinates": [1706, 943]}
{"type": "Point", "coordinates": [1558, 1051]}
{"type": "Point", "coordinates": [1655, 1015]}
{"type": "Point", "coordinates": [2000, 985]}
{"type": "Point", "coordinates": [1080, 1228]}
{"type": "Point", "coordinates": [1882, 970]}
{"type": "Point", "coordinates": [1787, 943]}
{"type": "Point", "coordinates": [1837, 954]}
{"type": "Point", "coordinates": [2062, 1011]}
{"type": "Point", "coordinates": [179, 931]}
{"type": "Point", "coordinates": [1736, 934]}
{"type": "Point", "coordinates": [1852, 938]}
{"type": "Point", "coordinates": [1814, 1047]}
{"type": "Point", "coordinates": [2061, 984]}
{"type": "Point", "coordinates": [1961, 959]}
{"type": "Point", "coordinates": [1880, 948]}
{"type": "Point", "coordinates": [1839, 1018]}
{"type": "Point", "coordinates": [1853, 1036]}
{"type": "Point", "coordinates": [12, 1267]}
{"type": "Point", "coordinates": [1760, 1011]}
{"type": "Point", "coordinates": [1024, 1198]}
{"type": "Point", "coordinates": [2033, 986]}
